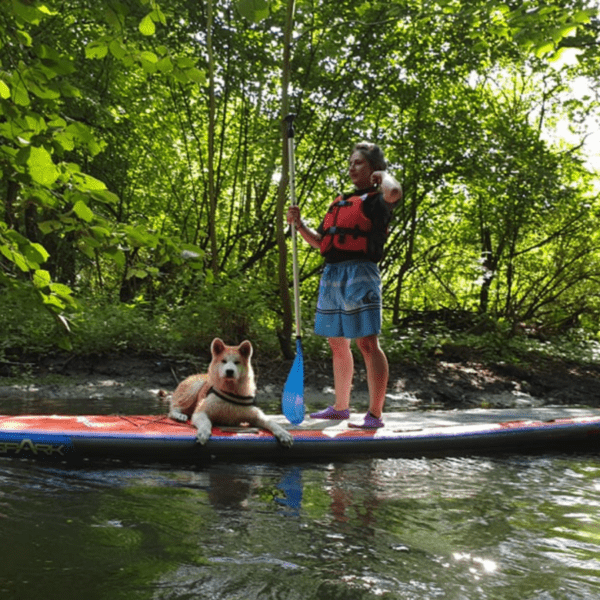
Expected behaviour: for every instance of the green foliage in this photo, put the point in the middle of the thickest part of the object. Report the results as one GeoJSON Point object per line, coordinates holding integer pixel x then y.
{"type": "Point", "coordinates": [253, 10]}
{"type": "Point", "coordinates": [140, 168]}
{"type": "Point", "coordinates": [495, 344]}
{"type": "Point", "coordinates": [112, 329]}
{"type": "Point", "coordinates": [228, 309]}
{"type": "Point", "coordinates": [27, 328]}
{"type": "Point", "coordinates": [43, 190]}
{"type": "Point", "coordinates": [538, 28]}
{"type": "Point", "coordinates": [231, 308]}
{"type": "Point", "coordinates": [499, 346]}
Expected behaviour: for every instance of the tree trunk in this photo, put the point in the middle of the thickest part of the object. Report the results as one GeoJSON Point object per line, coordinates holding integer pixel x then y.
{"type": "Point", "coordinates": [212, 200]}
{"type": "Point", "coordinates": [285, 333]}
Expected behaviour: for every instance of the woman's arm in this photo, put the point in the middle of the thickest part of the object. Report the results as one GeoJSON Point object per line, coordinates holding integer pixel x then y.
{"type": "Point", "coordinates": [391, 189]}
{"type": "Point", "coordinates": [310, 236]}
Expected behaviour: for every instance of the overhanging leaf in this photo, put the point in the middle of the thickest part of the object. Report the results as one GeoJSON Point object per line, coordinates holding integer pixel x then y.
{"type": "Point", "coordinates": [196, 75]}
{"type": "Point", "coordinates": [41, 167]}
{"type": "Point", "coordinates": [61, 290]}
{"type": "Point", "coordinates": [116, 255]}
{"type": "Point", "coordinates": [20, 94]}
{"type": "Point", "coordinates": [149, 56]}
{"type": "Point", "coordinates": [147, 26]}
{"type": "Point", "coordinates": [4, 91]}
{"type": "Point", "coordinates": [36, 253]}
{"type": "Point", "coordinates": [544, 49]}
{"type": "Point", "coordinates": [253, 10]}
{"type": "Point", "coordinates": [87, 182]}
{"type": "Point", "coordinates": [96, 50]}
{"type": "Point", "coordinates": [41, 278]}
{"type": "Point", "coordinates": [82, 210]}
{"type": "Point", "coordinates": [15, 257]}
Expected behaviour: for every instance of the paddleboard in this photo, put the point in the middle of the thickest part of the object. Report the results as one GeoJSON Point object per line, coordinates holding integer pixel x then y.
{"type": "Point", "coordinates": [407, 434]}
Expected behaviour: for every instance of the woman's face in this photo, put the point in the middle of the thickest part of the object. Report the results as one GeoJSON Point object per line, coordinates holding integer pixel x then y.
{"type": "Point", "coordinates": [360, 170]}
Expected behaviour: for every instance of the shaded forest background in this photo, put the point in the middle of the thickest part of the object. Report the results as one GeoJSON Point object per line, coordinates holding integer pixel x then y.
{"type": "Point", "coordinates": [144, 171]}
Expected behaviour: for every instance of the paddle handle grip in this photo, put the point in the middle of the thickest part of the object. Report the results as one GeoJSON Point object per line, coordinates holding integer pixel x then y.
{"type": "Point", "coordinates": [289, 120]}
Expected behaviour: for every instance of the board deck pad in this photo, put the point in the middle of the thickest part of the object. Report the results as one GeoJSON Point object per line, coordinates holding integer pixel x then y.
{"type": "Point", "coordinates": [156, 437]}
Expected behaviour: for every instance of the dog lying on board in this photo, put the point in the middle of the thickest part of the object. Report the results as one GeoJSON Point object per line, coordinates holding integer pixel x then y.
{"type": "Point", "coordinates": [224, 395]}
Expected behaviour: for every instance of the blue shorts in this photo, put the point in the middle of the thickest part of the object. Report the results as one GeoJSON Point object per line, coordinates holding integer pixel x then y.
{"type": "Point", "coordinates": [349, 304]}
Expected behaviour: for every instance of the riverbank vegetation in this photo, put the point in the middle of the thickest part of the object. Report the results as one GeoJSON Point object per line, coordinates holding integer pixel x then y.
{"type": "Point", "coordinates": [144, 170]}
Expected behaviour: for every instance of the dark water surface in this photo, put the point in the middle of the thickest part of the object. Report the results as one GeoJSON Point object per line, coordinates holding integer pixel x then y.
{"type": "Point", "coordinates": [511, 527]}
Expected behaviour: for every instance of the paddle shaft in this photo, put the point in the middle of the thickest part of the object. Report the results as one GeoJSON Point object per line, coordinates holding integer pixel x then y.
{"type": "Point", "coordinates": [292, 182]}
{"type": "Point", "coordinates": [292, 401]}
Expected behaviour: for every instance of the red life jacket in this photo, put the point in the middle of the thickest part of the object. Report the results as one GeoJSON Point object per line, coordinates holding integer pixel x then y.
{"type": "Point", "coordinates": [346, 227]}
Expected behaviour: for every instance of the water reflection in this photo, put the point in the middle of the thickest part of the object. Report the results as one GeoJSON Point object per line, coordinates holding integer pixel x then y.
{"type": "Point", "coordinates": [457, 528]}
{"type": "Point", "coordinates": [291, 486]}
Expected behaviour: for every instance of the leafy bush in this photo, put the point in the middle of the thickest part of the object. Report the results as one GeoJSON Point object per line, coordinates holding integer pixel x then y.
{"type": "Point", "coordinates": [235, 311]}
{"type": "Point", "coordinates": [26, 327]}
{"type": "Point", "coordinates": [115, 328]}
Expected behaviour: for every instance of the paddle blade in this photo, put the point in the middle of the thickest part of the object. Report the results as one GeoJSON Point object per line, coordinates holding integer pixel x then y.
{"type": "Point", "coordinates": [292, 402]}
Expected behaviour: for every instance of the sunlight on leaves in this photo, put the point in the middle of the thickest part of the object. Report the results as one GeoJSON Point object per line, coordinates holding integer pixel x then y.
{"type": "Point", "coordinates": [82, 211]}
{"type": "Point", "coordinates": [41, 278]}
{"type": "Point", "coordinates": [96, 50]}
{"type": "Point", "coordinates": [147, 26]}
{"type": "Point", "coordinates": [41, 167]}
{"type": "Point", "coordinates": [4, 90]}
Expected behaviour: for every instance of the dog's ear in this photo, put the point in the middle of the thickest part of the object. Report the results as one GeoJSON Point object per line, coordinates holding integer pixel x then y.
{"type": "Point", "coordinates": [217, 346]}
{"type": "Point", "coordinates": [246, 349]}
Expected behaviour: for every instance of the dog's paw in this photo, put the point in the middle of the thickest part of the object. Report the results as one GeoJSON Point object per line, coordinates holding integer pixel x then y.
{"type": "Point", "coordinates": [286, 439]}
{"type": "Point", "coordinates": [202, 437]}
{"type": "Point", "coordinates": [178, 416]}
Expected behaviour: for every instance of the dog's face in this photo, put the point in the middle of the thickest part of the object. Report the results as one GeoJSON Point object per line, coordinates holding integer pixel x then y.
{"type": "Point", "coordinates": [231, 362]}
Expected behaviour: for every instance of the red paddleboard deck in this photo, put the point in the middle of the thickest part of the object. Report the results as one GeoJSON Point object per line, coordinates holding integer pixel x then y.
{"type": "Point", "coordinates": [408, 434]}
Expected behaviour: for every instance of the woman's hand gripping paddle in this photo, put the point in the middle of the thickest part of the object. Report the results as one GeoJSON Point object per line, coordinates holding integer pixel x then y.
{"type": "Point", "coordinates": [292, 402]}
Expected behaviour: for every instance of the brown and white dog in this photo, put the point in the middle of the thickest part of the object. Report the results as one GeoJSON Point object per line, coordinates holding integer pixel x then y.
{"type": "Point", "coordinates": [224, 395]}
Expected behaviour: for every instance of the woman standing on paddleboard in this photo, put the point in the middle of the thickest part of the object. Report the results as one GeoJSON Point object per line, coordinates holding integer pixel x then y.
{"type": "Point", "coordinates": [351, 239]}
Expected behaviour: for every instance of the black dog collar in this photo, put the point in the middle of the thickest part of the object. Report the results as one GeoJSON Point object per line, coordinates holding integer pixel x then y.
{"type": "Point", "coordinates": [233, 398]}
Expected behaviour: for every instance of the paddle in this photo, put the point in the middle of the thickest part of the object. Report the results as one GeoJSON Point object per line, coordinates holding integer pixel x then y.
{"type": "Point", "coordinates": [292, 401]}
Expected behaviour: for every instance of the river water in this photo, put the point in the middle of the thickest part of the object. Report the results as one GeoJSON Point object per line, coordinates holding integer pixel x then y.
{"type": "Point", "coordinates": [507, 527]}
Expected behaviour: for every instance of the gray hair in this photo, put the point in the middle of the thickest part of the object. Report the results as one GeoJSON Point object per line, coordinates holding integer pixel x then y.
{"type": "Point", "coordinates": [373, 154]}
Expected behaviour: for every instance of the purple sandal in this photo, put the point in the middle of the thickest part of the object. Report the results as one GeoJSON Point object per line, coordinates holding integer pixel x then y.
{"type": "Point", "coordinates": [370, 422]}
{"type": "Point", "coordinates": [331, 413]}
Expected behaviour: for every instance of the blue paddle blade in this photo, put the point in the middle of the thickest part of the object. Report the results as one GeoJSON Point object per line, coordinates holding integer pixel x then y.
{"type": "Point", "coordinates": [292, 402]}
